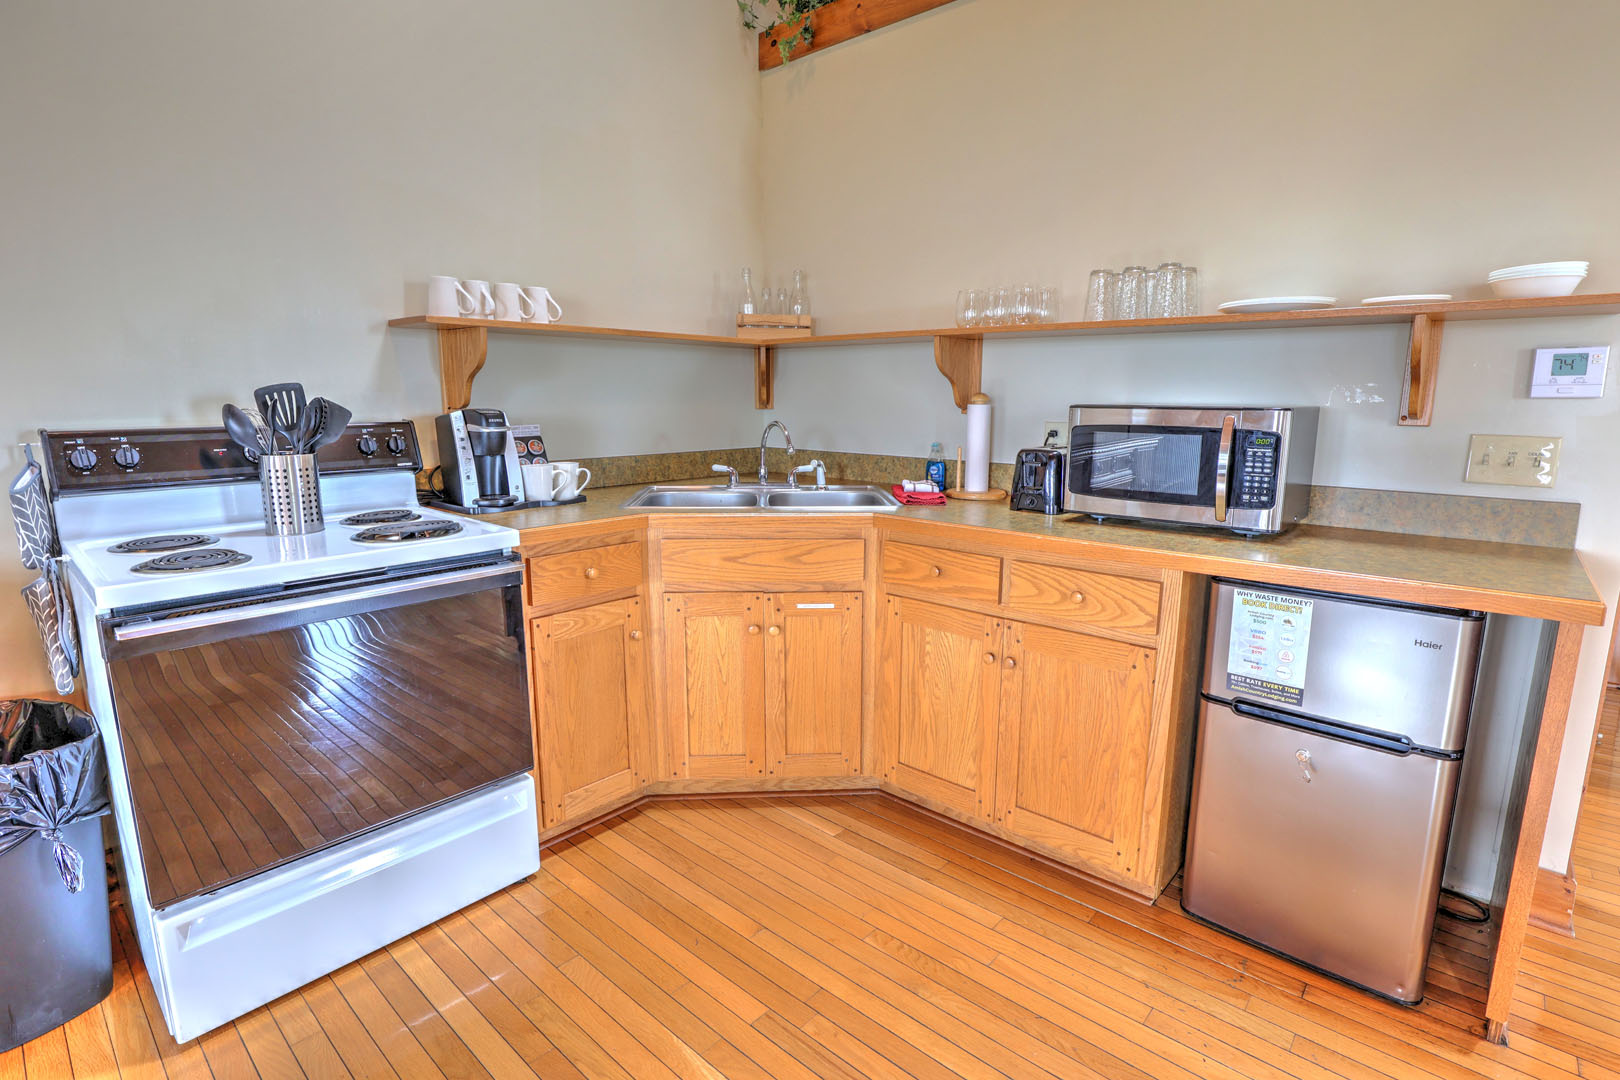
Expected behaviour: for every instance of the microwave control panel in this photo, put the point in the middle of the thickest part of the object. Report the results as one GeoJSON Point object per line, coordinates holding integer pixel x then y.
{"type": "Point", "coordinates": [1254, 481]}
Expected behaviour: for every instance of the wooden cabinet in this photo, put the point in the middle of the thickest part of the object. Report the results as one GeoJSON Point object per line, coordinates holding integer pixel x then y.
{"type": "Point", "coordinates": [938, 690]}
{"type": "Point", "coordinates": [813, 660]}
{"type": "Point", "coordinates": [570, 578]}
{"type": "Point", "coordinates": [1075, 729]}
{"type": "Point", "coordinates": [763, 684]}
{"type": "Point", "coordinates": [593, 736]}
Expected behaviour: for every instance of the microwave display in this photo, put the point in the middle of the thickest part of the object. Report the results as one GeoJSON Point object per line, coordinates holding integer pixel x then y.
{"type": "Point", "coordinates": [1150, 463]}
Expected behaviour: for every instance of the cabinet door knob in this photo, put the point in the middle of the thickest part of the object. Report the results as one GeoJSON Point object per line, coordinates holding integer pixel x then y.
{"type": "Point", "coordinates": [989, 657]}
{"type": "Point", "coordinates": [1011, 663]}
{"type": "Point", "coordinates": [937, 571]}
{"type": "Point", "coordinates": [773, 631]}
{"type": "Point", "coordinates": [590, 571]}
{"type": "Point", "coordinates": [1078, 597]}
{"type": "Point", "coordinates": [635, 635]}
{"type": "Point", "coordinates": [752, 629]}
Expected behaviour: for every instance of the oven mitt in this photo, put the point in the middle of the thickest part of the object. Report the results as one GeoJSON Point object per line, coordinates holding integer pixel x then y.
{"type": "Point", "coordinates": [31, 513]}
{"type": "Point", "coordinates": [48, 603]}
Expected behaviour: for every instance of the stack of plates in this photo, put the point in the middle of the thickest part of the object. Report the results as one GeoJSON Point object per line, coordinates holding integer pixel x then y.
{"type": "Point", "coordinates": [1537, 279]}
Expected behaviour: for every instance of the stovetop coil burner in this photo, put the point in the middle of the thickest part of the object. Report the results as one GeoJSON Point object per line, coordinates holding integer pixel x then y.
{"type": "Point", "coordinates": [183, 562]}
{"type": "Point", "coordinates": [146, 545]}
{"type": "Point", "coordinates": [381, 517]}
{"type": "Point", "coordinates": [405, 531]}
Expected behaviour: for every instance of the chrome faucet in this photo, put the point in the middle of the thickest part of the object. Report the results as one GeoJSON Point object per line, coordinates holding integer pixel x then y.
{"type": "Point", "coordinates": [765, 438]}
{"type": "Point", "coordinates": [814, 466]}
{"type": "Point", "coordinates": [731, 474]}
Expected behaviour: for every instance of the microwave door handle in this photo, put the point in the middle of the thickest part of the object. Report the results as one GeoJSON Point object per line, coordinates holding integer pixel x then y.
{"type": "Point", "coordinates": [1223, 467]}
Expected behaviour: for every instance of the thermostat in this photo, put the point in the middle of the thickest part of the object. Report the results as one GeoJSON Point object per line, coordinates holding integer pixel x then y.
{"type": "Point", "coordinates": [1571, 373]}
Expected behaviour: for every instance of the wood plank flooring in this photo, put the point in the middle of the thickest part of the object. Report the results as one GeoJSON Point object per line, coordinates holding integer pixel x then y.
{"type": "Point", "coordinates": [852, 936]}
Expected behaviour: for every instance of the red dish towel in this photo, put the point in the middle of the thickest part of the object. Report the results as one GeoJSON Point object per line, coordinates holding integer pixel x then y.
{"type": "Point", "coordinates": [919, 498]}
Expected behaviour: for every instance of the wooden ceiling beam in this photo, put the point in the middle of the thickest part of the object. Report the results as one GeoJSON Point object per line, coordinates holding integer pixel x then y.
{"type": "Point", "coordinates": [837, 23]}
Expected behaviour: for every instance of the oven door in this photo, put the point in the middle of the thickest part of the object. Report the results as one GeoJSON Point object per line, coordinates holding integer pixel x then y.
{"type": "Point", "coordinates": [1170, 465]}
{"type": "Point", "coordinates": [258, 731]}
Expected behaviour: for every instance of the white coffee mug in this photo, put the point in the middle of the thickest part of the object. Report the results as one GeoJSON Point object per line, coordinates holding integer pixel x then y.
{"type": "Point", "coordinates": [540, 481]}
{"type": "Point", "coordinates": [474, 300]}
{"type": "Point", "coordinates": [509, 302]}
{"type": "Point", "coordinates": [443, 299]}
{"type": "Point", "coordinates": [572, 481]}
{"type": "Point", "coordinates": [541, 304]}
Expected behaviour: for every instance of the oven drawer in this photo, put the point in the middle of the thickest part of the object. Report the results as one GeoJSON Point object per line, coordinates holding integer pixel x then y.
{"type": "Point", "coordinates": [910, 567]}
{"type": "Point", "coordinates": [575, 577]}
{"type": "Point", "coordinates": [1084, 597]}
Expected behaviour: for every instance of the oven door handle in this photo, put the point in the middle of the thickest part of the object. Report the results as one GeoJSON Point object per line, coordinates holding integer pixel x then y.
{"type": "Point", "coordinates": [1223, 466]}
{"type": "Point", "coordinates": [137, 637]}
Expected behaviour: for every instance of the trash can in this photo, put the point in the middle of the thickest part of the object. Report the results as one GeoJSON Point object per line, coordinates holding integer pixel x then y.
{"type": "Point", "coordinates": [56, 952]}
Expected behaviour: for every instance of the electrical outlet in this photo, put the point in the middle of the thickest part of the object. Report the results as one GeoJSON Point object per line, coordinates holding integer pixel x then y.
{"type": "Point", "coordinates": [1054, 433]}
{"type": "Point", "coordinates": [1524, 460]}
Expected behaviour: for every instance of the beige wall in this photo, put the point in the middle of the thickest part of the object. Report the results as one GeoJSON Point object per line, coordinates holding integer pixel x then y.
{"type": "Point", "coordinates": [1282, 147]}
{"type": "Point", "coordinates": [201, 197]}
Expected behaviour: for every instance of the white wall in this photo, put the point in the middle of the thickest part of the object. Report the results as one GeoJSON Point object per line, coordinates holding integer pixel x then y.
{"type": "Point", "coordinates": [1282, 147]}
{"type": "Point", "coordinates": [201, 197]}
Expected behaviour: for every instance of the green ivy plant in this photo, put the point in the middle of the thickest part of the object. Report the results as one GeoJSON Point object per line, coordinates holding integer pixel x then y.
{"type": "Point", "coordinates": [784, 13]}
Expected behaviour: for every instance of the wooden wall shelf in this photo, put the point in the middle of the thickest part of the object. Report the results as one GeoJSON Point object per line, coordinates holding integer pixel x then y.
{"type": "Point", "coordinates": [958, 351]}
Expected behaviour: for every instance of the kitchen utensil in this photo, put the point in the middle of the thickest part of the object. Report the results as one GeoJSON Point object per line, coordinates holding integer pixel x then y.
{"type": "Point", "coordinates": [282, 404]}
{"type": "Point", "coordinates": [291, 491]}
{"type": "Point", "coordinates": [31, 514]}
{"type": "Point", "coordinates": [1407, 298]}
{"type": "Point", "coordinates": [334, 419]}
{"type": "Point", "coordinates": [541, 299]}
{"type": "Point", "coordinates": [1279, 303]}
{"type": "Point", "coordinates": [242, 429]}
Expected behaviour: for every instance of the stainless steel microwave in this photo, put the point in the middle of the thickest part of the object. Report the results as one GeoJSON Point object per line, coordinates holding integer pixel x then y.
{"type": "Point", "coordinates": [1243, 469]}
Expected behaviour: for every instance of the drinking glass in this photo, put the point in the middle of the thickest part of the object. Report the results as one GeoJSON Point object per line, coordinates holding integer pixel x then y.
{"type": "Point", "coordinates": [1047, 306]}
{"type": "Point", "coordinates": [1102, 296]}
{"type": "Point", "coordinates": [1165, 296]}
{"type": "Point", "coordinates": [1001, 306]}
{"type": "Point", "coordinates": [967, 312]}
{"type": "Point", "coordinates": [782, 301]}
{"type": "Point", "coordinates": [1024, 305]}
{"type": "Point", "coordinates": [1132, 293]}
{"type": "Point", "coordinates": [1187, 291]}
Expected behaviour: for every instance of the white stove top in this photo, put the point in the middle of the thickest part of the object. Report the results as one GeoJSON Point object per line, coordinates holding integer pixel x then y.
{"type": "Point", "coordinates": [272, 560]}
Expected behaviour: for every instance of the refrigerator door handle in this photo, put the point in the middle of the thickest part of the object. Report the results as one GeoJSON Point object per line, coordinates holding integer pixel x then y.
{"type": "Point", "coordinates": [1388, 744]}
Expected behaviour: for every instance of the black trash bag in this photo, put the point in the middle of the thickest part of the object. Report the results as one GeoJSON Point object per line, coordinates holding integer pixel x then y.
{"type": "Point", "coordinates": [52, 774]}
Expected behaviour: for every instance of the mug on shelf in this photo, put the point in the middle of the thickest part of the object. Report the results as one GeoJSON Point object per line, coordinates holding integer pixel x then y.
{"type": "Point", "coordinates": [570, 482]}
{"type": "Point", "coordinates": [474, 300]}
{"type": "Point", "coordinates": [541, 304]}
{"type": "Point", "coordinates": [443, 296]}
{"type": "Point", "coordinates": [510, 302]}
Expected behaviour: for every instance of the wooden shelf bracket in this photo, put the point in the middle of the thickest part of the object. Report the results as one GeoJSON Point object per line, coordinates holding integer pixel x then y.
{"type": "Point", "coordinates": [462, 352]}
{"type": "Point", "coordinates": [1422, 367]}
{"type": "Point", "coordinates": [765, 377]}
{"type": "Point", "coordinates": [960, 359]}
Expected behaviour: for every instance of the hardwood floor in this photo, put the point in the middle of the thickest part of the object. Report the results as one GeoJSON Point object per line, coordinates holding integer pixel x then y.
{"type": "Point", "coordinates": [852, 936]}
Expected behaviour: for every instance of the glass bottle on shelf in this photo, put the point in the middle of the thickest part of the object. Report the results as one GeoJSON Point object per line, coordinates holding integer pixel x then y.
{"type": "Point", "coordinates": [801, 298]}
{"type": "Point", "coordinates": [782, 301]}
{"type": "Point", "coordinates": [745, 306]}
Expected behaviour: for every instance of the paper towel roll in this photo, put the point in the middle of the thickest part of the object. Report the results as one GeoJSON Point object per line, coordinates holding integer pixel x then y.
{"type": "Point", "coordinates": [976, 462]}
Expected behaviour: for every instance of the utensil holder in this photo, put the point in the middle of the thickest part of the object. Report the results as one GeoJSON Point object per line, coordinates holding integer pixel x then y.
{"type": "Point", "coordinates": [291, 488]}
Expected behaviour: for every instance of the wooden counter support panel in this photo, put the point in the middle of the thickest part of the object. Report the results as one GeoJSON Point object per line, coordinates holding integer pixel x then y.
{"type": "Point", "coordinates": [572, 577]}
{"type": "Point", "coordinates": [1422, 370]}
{"type": "Point", "coordinates": [960, 359]}
{"type": "Point", "coordinates": [941, 573]}
{"type": "Point", "coordinates": [691, 564]}
{"type": "Point", "coordinates": [1533, 829]}
{"type": "Point", "coordinates": [1127, 604]}
{"type": "Point", "coordinates": [462, 352]}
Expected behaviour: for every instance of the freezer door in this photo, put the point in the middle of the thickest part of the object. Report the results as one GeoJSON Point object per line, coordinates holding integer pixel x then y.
{"type": "Point", "coordinates": [1403, 670]}
{"type": "Point", "coordinates": [1324, 850]}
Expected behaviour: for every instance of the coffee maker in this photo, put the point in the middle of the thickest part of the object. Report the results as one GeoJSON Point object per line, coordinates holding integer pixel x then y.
{"type": "Point", "coordinates": [480, 460]}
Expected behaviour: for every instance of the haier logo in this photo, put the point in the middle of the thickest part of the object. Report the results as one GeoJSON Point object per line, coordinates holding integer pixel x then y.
{"type": "Point", "coordinates": [1420, 643]}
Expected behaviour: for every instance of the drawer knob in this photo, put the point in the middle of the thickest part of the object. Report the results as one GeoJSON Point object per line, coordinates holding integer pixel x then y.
{"type": "Point", "coordinates": [773, 631]}
{"type": "Point", "coordinates": [937, 571]}
{"type": "Point", "coordinates": [989, 657]}
{"type": "Point", "coordinates": [590, 571]}
{"type": "Point", "coordinates": [1011, 663]}
{"type": "Point", "coordinates": [752, 629]}
{"type": "Point", "coordinates": [1078, 597]}
{"type": "Point", "coordinates": [635, 635]}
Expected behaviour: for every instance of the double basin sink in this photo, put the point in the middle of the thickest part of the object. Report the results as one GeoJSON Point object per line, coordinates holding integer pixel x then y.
{"type": "Point", "coordinates": [855, 498]}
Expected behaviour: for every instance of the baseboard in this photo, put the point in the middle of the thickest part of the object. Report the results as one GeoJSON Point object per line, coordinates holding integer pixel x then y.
{"type": "Point", "coordinates": [1552, 905]}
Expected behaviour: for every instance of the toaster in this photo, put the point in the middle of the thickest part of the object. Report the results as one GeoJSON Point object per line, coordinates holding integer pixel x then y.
{"type": "Point", "coordinates": [1038, 481]}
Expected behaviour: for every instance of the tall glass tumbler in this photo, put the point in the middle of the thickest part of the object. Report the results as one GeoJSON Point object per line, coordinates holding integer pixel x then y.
{"type": "Point", "coordinates": [1102, 296]}
{"type": "Point", "coordinates": [1132, 303]}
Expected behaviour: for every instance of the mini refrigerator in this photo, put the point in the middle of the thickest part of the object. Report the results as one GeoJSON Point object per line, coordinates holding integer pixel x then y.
{"type": "Point", "coordinates": [1330, 740]}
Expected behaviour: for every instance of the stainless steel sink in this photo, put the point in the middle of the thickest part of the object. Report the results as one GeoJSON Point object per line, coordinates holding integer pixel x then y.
{"type": "Point", "coordinates": [845, 498]}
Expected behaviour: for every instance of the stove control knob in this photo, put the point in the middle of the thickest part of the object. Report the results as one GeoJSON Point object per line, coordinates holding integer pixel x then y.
{"type": "Point", "coordinates": [126, 456]}
{"type": "Point", "coordinates": [396, 445]}
{"type": "Point", "coordinates": [367, 445]}
{"type": "Point", "coordinates": [82, 459]}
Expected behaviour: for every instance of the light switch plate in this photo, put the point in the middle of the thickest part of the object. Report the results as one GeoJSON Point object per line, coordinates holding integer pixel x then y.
{"type": "Point", "coordinates": [1054, 433]}
{"type": "Point", "coordinates": [1523, 460]}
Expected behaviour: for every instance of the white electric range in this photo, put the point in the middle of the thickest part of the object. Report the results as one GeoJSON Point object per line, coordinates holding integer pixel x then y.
{"type": "Point", "coordinates": [317, 744]}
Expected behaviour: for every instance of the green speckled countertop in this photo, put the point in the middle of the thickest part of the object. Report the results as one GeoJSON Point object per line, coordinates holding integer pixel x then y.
{"type": "Point", "coordinates": [1515, 579]}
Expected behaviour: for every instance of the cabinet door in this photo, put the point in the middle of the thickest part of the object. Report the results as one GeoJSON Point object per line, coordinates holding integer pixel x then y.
{"type": "Point", "coordinates": [592, 734]}
{"type": "Point", "coordinates": [937, 697]}
{"type": "Point", "coordinates": [1076, 720]}
{"type": "Point", "coordinates": [714, 661]}
{"type": "Point", "coordinates": [813, 684]}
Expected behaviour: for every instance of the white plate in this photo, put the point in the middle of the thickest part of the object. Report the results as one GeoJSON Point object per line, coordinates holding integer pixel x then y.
{"type": "Point", "coordinates": [1409, 298]}
{"type": "Point", "coordinates": [1279, 303]}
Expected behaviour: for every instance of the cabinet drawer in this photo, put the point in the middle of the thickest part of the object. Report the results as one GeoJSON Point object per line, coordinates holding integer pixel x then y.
{"type": "Point", "coordinates": [570, 577]}
{"type": "Point", "coordinates": [946, 573]}
{"type": "Point", "coordinates": [1127, 604]}
{"type": "Point", "coordinates": [726, 565]}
